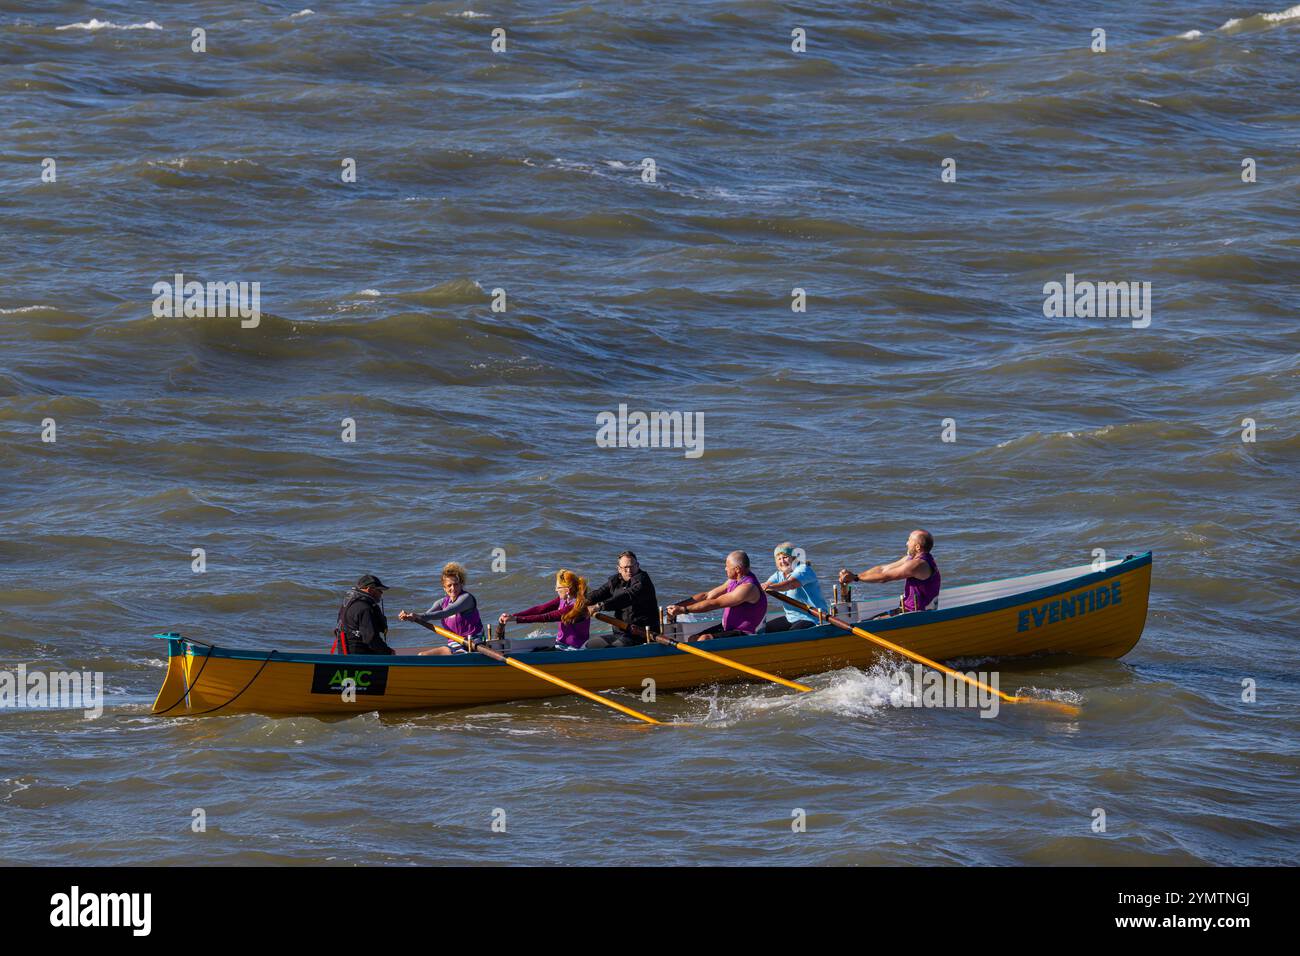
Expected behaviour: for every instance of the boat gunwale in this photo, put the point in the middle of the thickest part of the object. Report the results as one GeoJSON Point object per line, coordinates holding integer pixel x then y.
{"type": "Point", "coordinates": [819, 632]}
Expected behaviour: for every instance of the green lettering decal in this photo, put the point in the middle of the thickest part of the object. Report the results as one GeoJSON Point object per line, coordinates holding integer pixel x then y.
{"type": "Point", "coordinates": [331, 678]}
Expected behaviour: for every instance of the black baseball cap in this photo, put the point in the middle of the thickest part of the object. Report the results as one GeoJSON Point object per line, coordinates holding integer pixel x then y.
{"type": "Point", "coordinates": [370, 581]}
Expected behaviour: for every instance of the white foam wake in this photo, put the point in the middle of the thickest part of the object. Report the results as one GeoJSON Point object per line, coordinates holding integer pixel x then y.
{"type": "Point", "coordinates": [848, 692]}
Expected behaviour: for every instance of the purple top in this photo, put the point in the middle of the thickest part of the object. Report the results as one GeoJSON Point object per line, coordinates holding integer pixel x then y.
{"type": "Point", "coordinates": [463, 620]}
{"type": "Point", "coordinates": [745, 617]}
{"type": "Point", "coordinates": [571, 635]}
{"type": "Point", "coordinates": [918, 594]}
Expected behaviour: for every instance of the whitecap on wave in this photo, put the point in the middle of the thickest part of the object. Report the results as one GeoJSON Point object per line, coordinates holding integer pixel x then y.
{"type": "Point", "coordinates": [93, 24]}
{"type": "Point", "coordinates": [1282, 16]}
{"type": "Point", "coordinates": [1238, 24]}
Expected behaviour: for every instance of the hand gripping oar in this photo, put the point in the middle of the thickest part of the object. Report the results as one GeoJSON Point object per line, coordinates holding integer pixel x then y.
{"type": "Point", "coordinates": [683, 646]}
{"type": "Point", "coordinates": [528, 669]}
{"type": "Point", "coordinates": [890, 645]}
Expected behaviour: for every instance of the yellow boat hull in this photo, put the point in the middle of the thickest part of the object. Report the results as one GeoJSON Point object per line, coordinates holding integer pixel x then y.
{"type": "Point", "coordinates": [203, 679]}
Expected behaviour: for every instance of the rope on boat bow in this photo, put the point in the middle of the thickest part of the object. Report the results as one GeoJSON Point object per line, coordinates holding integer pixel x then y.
{"type": "Point", "coordinates": [255, 676]}
{"type": "Point", "coordinates": [190, 687]}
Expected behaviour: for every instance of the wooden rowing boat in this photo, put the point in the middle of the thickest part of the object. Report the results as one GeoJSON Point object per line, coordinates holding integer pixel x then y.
{"type": "Point", "coordinates": [1091, 613]}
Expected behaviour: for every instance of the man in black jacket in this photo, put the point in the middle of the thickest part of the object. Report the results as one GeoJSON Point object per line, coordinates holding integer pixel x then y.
{"type": "Point", "coordinates": [629, 596]}
{"type": "Point", "coordinates": [361, 618]}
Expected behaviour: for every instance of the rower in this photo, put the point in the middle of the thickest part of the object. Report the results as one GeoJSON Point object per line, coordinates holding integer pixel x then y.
{"type": "Point", "coordinates": [362, 626]}
{"type": "Point", "coordinates": [630, 596]}
{"type": "Point", "coordinates": [568, 609]}
{"type": "Point", "coordinates": [741, 597]}
{"type": "Point", "coordinates": [798, 580]}
{"type": "Point", "coordinates": [916, 568]}
{"type": "Point", "coordinates": [457, 611]}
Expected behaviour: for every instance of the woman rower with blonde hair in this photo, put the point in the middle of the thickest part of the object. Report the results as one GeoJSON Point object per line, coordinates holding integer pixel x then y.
{"type": "Point", "coordinates": [458, 612]}
{"type": "Point", "coordinates": [568, 607]}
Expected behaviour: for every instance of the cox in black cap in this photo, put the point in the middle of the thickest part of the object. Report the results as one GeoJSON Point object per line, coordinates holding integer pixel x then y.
{"type": "Point", "coordinates": [370, 581]}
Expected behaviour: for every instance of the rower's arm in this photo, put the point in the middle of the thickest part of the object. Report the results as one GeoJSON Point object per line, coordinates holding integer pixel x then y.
{"type": "Point", "coordinates": [789, 584]}
{"type": "Point", "coordinates": [899, 570]}
{"type": "Point", "coordinates": [741, 595]}
{"type": "Point", "coordinates": [461, 605]}
{"type": "Point", "coordinates": [616, 601]}
{"type": "Point", "coordinates": [701, 602]}
{"type": "Point", "coordinates": [710, 594]}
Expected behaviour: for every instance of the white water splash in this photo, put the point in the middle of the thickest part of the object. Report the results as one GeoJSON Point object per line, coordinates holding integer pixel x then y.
{"type": "Point", "coordinates": [1190, 35]}
{"type": "Point", "coordinates": [1051, 693]}
{"type": "Point", "coordinates": [848, 692]}
{"type": "Point", "coordinates": [302, 13]}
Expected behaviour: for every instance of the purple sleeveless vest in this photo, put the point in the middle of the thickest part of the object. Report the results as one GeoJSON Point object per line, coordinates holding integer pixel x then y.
{"type": "Point", "coordinates": [575, 634]}
{"type": "Point", "coordinates": [468, 624]}
{"type": "Point", "coordinates": [745, 617]}
{"type": "Point", "coordinates": [918, 594]}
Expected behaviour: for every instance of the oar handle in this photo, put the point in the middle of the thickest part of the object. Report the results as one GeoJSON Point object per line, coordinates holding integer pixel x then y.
{"type": "Point", "coordinates": [806, 608]}
{"type": "Point", "coordinates": [633, 628]}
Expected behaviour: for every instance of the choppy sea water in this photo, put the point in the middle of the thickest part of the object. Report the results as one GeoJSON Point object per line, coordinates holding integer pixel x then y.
{"type": "Point", "coordinates": [524, 170]}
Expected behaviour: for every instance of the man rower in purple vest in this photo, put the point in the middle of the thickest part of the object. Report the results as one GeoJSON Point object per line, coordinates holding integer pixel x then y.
{"type": "Point", "coordinates": [916, 568]}
{"type": "Point", "coordinates": [741, 597]}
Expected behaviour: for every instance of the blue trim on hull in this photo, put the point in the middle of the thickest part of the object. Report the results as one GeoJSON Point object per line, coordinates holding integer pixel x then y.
{"type": "Point", "coordinates": [176, 643]}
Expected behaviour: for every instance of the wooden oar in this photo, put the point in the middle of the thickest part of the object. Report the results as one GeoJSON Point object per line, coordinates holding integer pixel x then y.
{"type": "Point", "coordinates": [689, 649]}
{"type": "Point", "coordinates": [529, 669]}
{"type": "Point", "coordinates": [890, 645]}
